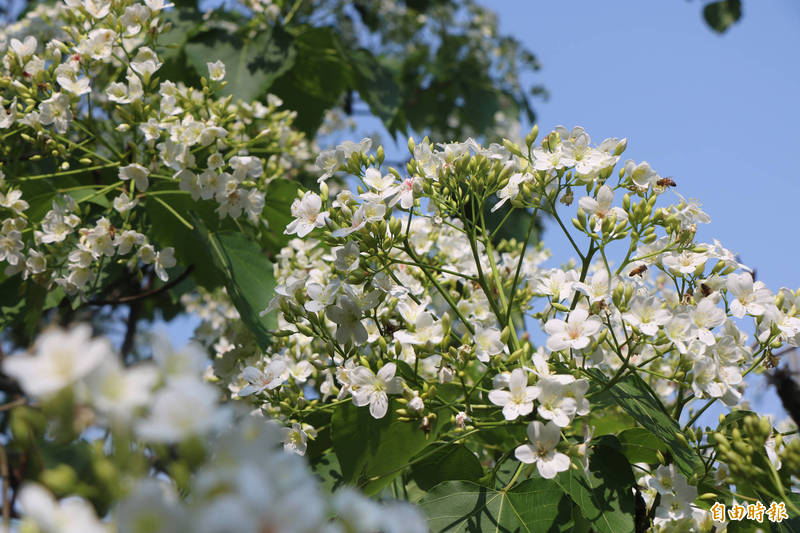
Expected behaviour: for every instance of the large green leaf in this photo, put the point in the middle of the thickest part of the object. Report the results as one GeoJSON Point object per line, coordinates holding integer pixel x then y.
{"type": "Point", "coordinates": [373, 452]}
{"type": "Point", "coordinates": [376, 85]}
{"type": "Point", "coordinates": [248, 276]}
{"type": "Point", "coordinates": [191, 248]}
{"type": "Point", "coordinates": [604, 494]}
{"type": "Point", "coordinates": [252, 64]}
{"type": "Point", "coordinates": [638, 400]}
{"type": "Point", "coordinates": [639, 445]}
{"type": "Point", "coordinates": [446, 462]}
{"type": "Point", "coordinates": [329, 472]}
{"type": "Point", "coordinates": [535, 505]}
{"type": "Point", "coordinates": [318, 77]}
{"type": "Point", "coordinates": [277, 213]}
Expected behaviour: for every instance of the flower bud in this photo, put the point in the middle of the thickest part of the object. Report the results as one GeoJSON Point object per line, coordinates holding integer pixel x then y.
{"type": "Point", "coordinates": [530, 138]}
{"type": "Point", "coordinates": [512, 147]}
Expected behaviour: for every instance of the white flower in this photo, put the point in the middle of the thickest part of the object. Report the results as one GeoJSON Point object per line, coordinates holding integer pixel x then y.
{"type": "Point", "coordinates": [347, 257]}
{"type": "Point", "coordinates": [347, 316]}
{"type": "Point", "coordinates": [295, 439]}
{"type": "Point", "coordinates": [56, 111]}
{"type": "Point", "coordinates": [97, 8]}
{"type": "Point", "coordinates": [405, 192]}
{"type": "Point", "coordinates": [98, 45]}
{"type": "Point", "coordinates": [189, 361]}
{"type": "Point", "coordinates": [558, 401]}
{"type": "Point", "coordinates": [366, 212]}
{"type": "Point", "coordinates": [706, 316]}
{"type": "Point", "coordinates": [687, 262]}
{"type": "Point", "coordinates": [321, 296]}
{"type": "Point", "coordinates": [184, 408]}
{"type": "Point", "coordinates": [164, 259]}
{"type": "Point", "coordinates": [76, 86]}
{"type": "Point", "coordinates": [601, 209]}
{"type": "Point", "coordinates": [216, 70]}
{"type": "Point", "coordinates": [306, 212]}
{"type": "Point", "coordinates": [751, 297]}
{"type": "Point", "coordinates": [646, 315]}
{"type": "Point", "coordinates": [158, 5]}
{"type": "Point", "coordinates": [487, 343]}
{"type": "Point", "coordinates": [25, 48]}
{"type": "Point", "coordinates": [126, 240]}
{"type": "Point", "coordinates": [518, 400]}
{"type": "Point", "coordinates": [598, 287]}
{"type": "Point", "coordinates": [372, 389]}
{"type": "Point", "coordinates": [272, 376]}
{"type": "Point", "coordinates": [383, 186]}
{"type": "Point", "coordinates": [137, 173]}
{"type": "Point", "coordinates": [59, 359]}
{"type": "Point", "coordinates": [145, 63]}
{"type": "Point", "coordinates": [574, 333]}
{"type": "Point", "coordinates": [511, 189]}
{"type": "Point", "coordinates": [117, 391]}
{"type": "Point", "coordinates": [42, 512]}
{"type": "Point", "coordinates": [426, 330]}
{"type": "Point", "coordinates": [542, 450]}
{"type": "Point", "coordinates": [642, 174]}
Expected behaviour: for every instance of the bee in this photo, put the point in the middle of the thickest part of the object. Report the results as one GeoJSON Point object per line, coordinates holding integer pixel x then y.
{"type": "Point", "coordinates": [705, 289]}
{"type": "Point", "coordinates": [638, 271]}
{"type": "Point", "coordinates": [425, 425]}
{"type": "Point", "coordinates": [666, 182]}
{"type": "Point", "coordinates": [788, 391]}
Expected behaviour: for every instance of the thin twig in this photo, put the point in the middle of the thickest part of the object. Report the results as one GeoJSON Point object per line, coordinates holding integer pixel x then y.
{"type": "Point", "coordinates": [146, 294]}
{"type": "Point", "coordinates": [16, 403]}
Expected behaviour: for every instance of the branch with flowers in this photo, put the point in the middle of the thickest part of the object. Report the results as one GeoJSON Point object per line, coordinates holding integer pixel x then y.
{"type": "Point", "coordinates": [394, 293]}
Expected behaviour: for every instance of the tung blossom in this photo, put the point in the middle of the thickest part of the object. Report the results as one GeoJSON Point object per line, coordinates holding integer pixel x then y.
{"type": "Point", "coordinates": [518, 400]}
{"type": "Point", "coordinates": [752, 297]}
{"type": "Point", "coordinates": [600, 209]}
{"type": "Point", "coordinates": [372, 389]}
{"type": "Point", "coordinates": [542, 450]}
{"type": "Point", "coordinates": [306, 212]}
{"type": "Point", "coordinates": [59, 359]}
{"type": "Point", "coordinates": [574, 333]}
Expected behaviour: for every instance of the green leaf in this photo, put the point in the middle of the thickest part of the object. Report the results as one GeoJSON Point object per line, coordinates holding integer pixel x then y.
{"type": "Point", "coordinates": [277, 213]}
{"type": "Point", "coordinates": [604, 494]}
{"type": "Point", "coordinates": [446, 463]}
{"type": "Point", "coordinates": [639, 401]}
{"type": "Point", "coordinates": [328, 470]}
{"type": "Point", "coordinates": [373, 452]}
{"type": "Point", "coordinates": [639, 445]}
{"type": "Point", "coordinates": [251, 64]}
{"type": "Point", "coordinates": [535, 505]}
{"type": "Point", "coordinates": [191, 248]}
{"type": "Point", "coordinates": [90, 193]}
{"type": "Point", "coordinates": [248, 276]}
{"type": "Point", "coordinates": [319, 76]}
{"type": "Point", "coordinates": [376, 85]}
{"type": "Point", "coordinates": [12, 301]}
{"type": "Point", "coordinates": [721, 15]}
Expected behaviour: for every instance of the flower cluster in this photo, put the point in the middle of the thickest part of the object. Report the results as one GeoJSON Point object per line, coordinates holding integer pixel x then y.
{"type": "Point", "coordinates": [72, 71]}
{"type": "Point", "coordinates": [400, 296]}
{"type": "Point", "coordinates": [169, 402]}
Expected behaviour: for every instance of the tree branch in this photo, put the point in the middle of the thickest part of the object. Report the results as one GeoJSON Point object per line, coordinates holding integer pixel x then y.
{"type": "Point", "coordinates": [146, 294]}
